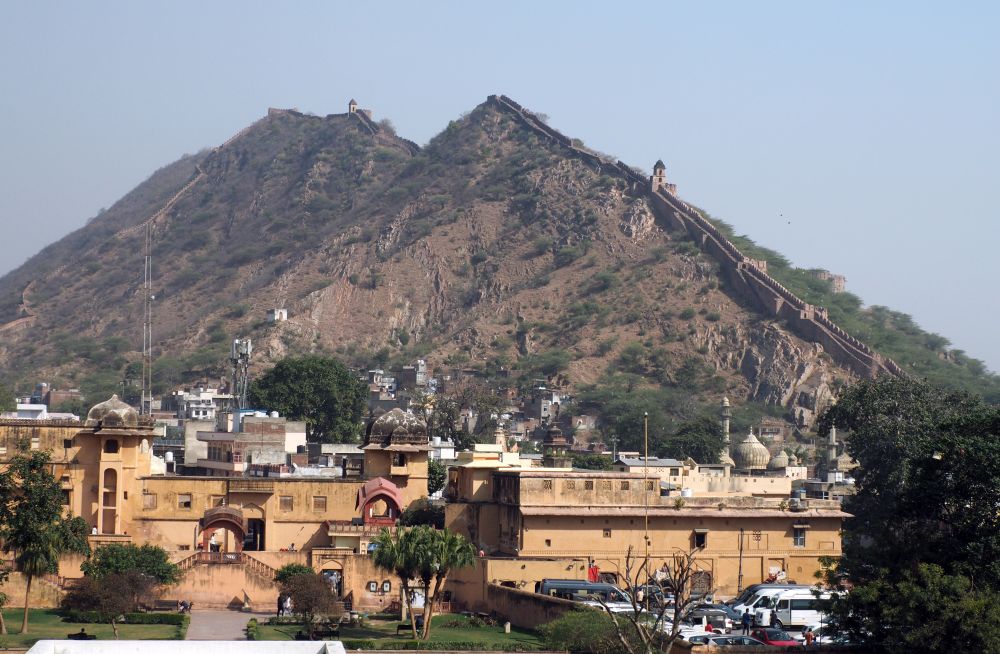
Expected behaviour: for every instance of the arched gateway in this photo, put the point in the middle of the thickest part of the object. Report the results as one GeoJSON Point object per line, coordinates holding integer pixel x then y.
{"type": "Point", "coordinates": [227, 518]}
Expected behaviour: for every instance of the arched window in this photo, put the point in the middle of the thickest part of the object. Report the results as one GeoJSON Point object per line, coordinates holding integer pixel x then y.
{"type": "Point", "coordinates": [111, 446]}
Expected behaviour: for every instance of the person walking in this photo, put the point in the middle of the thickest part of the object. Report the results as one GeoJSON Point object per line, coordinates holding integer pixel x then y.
{"type": "Point", "coordinates": [746, 620]}
{"type": "Point", "coordinates": [808, 636]}
{"type": "Point", "coordinates": [281, 606]}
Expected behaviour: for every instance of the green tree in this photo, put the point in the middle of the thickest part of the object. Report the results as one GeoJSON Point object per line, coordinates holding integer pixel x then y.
{"type": "Point", "coordinates": [32, 525]}
{"type": "Point", "coordinates": [592, 462]}
{"type": "Point", "coordinates": [397, 554]}
{"type": "Point", "coordinates": [318, 390]}
{"type": "Point", "coordinates": [437, 476]}
{"type": "Point", "coordinates": [700, 439]}
{"type": "Point", "coordinates": [442, 552]}
{"type": "Point", "coordinates": [7, 402]}
{"type": "Point", "coordinates": [289, 570]}
{"type": "Point", "coordinates": [312, 599]}
{"type": "Point", "coordinates": [118, 558]}
{"type": "Point", "coordinates": [927, 480]}
{"type": "Point", "coordinates": [922, 551]}
{"type": "Point", "coordinates": [581, 630]}
{"type": "Point", "coordinates": [920, 611]}
{"type": "Point", "coordinates": [110, 596]}
{"type": "Point", "coordinates": [423, 513]}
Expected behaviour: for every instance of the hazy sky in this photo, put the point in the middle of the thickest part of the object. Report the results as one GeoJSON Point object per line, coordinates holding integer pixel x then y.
{"type": "Point", "coordinates": [874, 128]}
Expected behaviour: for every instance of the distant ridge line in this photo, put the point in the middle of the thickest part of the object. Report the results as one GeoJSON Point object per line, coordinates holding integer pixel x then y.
{"type": "Point", "coordinates": [749, 276]}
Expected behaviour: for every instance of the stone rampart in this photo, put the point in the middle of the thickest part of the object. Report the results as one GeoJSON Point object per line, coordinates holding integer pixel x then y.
{"type": "Point", "coordinates": [746, 276]}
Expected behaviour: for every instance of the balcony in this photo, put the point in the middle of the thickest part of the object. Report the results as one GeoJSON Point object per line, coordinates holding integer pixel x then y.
{"type": "Point", "coordinates": [399, 471]}
{"type": "Point", "coordinates": [251, 486]}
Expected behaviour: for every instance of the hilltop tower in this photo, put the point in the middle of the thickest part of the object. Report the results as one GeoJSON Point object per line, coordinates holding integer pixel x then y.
{"type": "Point", "coordinates": [659, 179]}
{"type": "Point", "coordinates": [352, 106]}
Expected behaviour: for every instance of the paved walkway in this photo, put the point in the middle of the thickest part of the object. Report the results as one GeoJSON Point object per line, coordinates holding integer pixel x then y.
{"type": "Point", "coordinates": [209, 624]}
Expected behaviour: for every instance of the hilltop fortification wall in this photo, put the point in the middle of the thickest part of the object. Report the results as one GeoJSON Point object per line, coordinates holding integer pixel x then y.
{"type": "Point", "coordinates": [745, 276]}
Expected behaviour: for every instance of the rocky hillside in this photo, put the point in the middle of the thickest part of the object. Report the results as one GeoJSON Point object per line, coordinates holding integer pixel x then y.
{"type": "Point", "coordinates": [496, 245]}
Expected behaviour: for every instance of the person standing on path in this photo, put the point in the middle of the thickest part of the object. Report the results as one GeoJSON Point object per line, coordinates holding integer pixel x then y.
{"type": "Point", "coordinates": [745, 620]}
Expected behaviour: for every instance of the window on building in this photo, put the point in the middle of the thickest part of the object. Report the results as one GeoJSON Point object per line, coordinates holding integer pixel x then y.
{"type": "Point", "coordinates": [218, 500]}
{"type": "Point", "coordinates": [285, 503]}
{"type": "Point", "coordinates": [111, 446]}
{"type": "Point", "coordinates": [675, 472]}
{"type": "Point", "coordinates": [546, 484]}
{"type": "Point", "coordinates": [700, 539]}
{"type": "Point", "coordinates": [65, 498]}
{"type": "Point", "coordinates": [319, 503]}
{"type": "Point", "coordinates": [149, 500]}
{"type": "Point", "coordinates": [607, 533]}
{"type": "Point", "coordinates": [183, 500]}
{"type": "Point", "coordinates": [649, 484]}
{"type": "Point", "coordinates": [67, 443]}
{"type": "Point", "coordinates": [606, 485]}
{"type": "Point", "coordinates": [588, 485]}
{"type": "Point", "coordinates": [625, 485]}
{"type": "Point", "coordinates": [548, 542]}
{"type": "Point", "coordinates": [799, 536]}
{"type": "Point", "coordinates": [570, 484]}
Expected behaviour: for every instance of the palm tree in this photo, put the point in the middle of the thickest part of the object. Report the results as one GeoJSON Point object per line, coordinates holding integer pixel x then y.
{"type": "Point", "coordinates": [398, 555]}
{"type": "Point", "coordinates": [39, 557]}
{"type": "Point", "coordinates": [449, 551]}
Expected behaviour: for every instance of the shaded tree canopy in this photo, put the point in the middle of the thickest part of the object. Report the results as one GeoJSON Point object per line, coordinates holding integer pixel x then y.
{"type": "Point", "coordinates": [700, 439]}
{"type": "Point", "coordinates": [117, 558]}
{"type": "Point", "coordinates": [319, 390]}
{"type": "Point", "coordinates": [927, 481]}
{"type": "Point", "coordinates": [289, 570]}
{"type": "Point", "coordinates": [437, 476]}
{"type": "Point", "coordinates": [922, 551]}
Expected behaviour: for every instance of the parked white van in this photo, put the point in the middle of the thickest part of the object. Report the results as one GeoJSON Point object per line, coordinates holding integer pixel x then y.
{"type": "Point", "coordinates": [795, 608]}
{"type": "Point", "coordinates": [754, 601]}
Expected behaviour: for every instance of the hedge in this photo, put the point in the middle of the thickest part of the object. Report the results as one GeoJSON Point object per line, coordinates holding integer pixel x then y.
{"type": "Point", "coordinates": [93, 617]}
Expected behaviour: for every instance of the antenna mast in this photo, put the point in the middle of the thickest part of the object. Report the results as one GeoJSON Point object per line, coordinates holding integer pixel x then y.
{"type": "Point", "coordinates": [146, 401]}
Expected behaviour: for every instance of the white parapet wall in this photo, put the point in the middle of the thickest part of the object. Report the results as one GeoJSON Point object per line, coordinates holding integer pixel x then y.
{"type": "Point", "coordinates": [184, 647]}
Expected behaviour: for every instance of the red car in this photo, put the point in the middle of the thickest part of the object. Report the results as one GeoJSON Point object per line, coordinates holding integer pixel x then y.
{"type": "Point", "coordinates": [775, 637]}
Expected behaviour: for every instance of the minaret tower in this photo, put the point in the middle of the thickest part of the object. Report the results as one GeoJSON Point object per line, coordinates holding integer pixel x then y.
{"type": "Point", "coordinates": [725, 414]}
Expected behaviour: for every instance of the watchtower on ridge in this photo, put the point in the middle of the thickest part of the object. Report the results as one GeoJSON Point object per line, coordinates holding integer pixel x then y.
{"type": "Point", "coordinates": [659, 179]}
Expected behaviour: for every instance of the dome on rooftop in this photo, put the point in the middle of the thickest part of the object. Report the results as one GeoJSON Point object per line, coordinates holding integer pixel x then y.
{"type": "Point", "coordinates": [778, 462]}
{"type": "Point", "coordinates": [750, 454]}
{"type": "Point", "coordinates": [113, 413]}
{"type": "Point", "coordinates": [397, 423]}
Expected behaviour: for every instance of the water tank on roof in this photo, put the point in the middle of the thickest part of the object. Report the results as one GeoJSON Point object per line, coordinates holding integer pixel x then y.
{"type": "Point", "coordinates": [274, 414]}
{"type": "Point", "coordinates": [436, 440]}
{"type": "Point", "coordinates": [169, 457]}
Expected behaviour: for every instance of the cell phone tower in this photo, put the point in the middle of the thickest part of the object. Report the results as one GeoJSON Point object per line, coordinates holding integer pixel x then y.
{"type": "Point", "coordinates": [239, 358]}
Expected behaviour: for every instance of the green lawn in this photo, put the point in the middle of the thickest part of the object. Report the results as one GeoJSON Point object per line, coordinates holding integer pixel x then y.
{"type": "Point", "coordinates": [47, 623]}
{"type": "Point", "coordinates": [445, 629]}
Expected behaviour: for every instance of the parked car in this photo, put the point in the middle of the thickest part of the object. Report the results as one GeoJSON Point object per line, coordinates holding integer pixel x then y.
{"type": "Point", "coordinates": [725, 641]}
{"type": "Point", "coordinates": [825, 635]}
{"type": "Point", "coordinates": [775, 637]}
{"type": "Point", "coordinates": [730, 611]}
